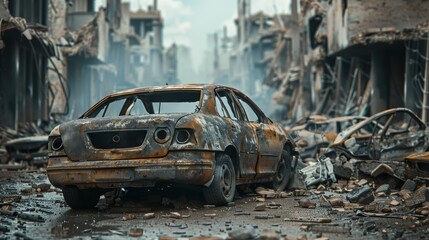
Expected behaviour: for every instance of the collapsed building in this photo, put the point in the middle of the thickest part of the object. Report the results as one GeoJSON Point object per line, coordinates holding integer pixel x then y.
{"type": "Point", "coordinates": [60, 57]}
{"type": "Point", "coordinates": [357, 59]}
{"type": "Point", "coordinates": [63, 50]}
{"type": "Point", "coordinates": [25, 50]}
{"type": "Point", "coordinates": [335, 57]}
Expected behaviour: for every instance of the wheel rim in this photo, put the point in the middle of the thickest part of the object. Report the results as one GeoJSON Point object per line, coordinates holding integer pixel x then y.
{"type": "Point", "coordinates": [226, 180]}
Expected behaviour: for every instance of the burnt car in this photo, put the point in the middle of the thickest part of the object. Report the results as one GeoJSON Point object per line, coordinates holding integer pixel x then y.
{"type": "Point", "coordinates": [315, 132]}
{"type": "Point", "coordinates": [417, 166]}
{"type": "Point", "coordinates": [388, 135]}
{"type": "Point", "coordinates": [203, 135]}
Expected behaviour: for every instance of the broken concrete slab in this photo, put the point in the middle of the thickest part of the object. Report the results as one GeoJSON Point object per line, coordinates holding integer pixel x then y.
{"type": "Point", "coordinates": [385, 188]}
{"type": "Point", "coordinates": [307, 203]}
{"type": "Point", "coordinates": [409, 185]}
{"type": "Point", "coordinates": [362, 195]}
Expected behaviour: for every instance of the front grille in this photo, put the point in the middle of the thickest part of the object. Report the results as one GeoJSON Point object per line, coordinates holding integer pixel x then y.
{"type": "Point", "coordinates": [117, 139]}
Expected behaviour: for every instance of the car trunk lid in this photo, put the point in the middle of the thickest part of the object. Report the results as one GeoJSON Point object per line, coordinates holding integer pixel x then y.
{"type": "Point", "coordinates": [124, 137]}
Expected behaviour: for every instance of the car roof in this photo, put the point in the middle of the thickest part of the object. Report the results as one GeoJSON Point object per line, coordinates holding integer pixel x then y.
{"type": "Point", "coordinates": [195, 86]}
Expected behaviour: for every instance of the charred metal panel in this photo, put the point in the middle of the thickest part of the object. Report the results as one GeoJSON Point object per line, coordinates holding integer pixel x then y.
{"type": "Point", "coordinates": [78, 147]}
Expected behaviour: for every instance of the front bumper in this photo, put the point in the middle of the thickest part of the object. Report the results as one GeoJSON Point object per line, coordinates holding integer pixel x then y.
{"type": "Point", "coordinates": [183, 167]}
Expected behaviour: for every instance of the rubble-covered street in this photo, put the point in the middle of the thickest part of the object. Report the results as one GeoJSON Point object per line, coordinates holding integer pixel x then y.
{"type": "Point", "coordinates": [32, 208]}
{"type": "Point", "coordinates": [214, 119]}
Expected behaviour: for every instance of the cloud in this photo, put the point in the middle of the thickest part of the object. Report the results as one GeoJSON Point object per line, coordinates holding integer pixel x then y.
{"type": "Point", "coordinates": [170, 9]}
{"type": "Point", "coordinates": [271, 6]}
{"type": "Point", "coordinates": [178, 28]}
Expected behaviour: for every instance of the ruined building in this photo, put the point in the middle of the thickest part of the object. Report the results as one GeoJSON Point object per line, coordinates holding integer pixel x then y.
{"type": "Point", "coordinates": [360, 57]}
{"type": "Point", "coordinates": [260, 55]}
{"type": "Point", "coordinates": [60, 57]}
{"type": "Point", "coordinates": [25, 49]}
{"type": "Point", "coordinates": [148, 26]}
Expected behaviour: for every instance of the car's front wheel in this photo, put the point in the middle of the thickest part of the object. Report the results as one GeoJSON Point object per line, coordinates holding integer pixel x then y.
{"type": "Point", "coordinates": [283, 173]}
{"type": "Point", "coordinates": [222, 189]}
{"type": "Point", "coordinates": [81, 198]}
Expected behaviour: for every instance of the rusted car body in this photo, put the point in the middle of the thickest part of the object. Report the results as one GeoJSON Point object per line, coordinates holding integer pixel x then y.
{"type": "Point", "coordinates": [417, 166]}
{"type": "Point", "coordinates": [388, 135]}
{"type": "Point", "coordinates": [316, 132]}
{"type": "Point", "coordinates": [204, 135]}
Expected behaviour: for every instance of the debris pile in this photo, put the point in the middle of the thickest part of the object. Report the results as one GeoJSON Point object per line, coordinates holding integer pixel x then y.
{"type": "Point", "coordinates": [27, 145]}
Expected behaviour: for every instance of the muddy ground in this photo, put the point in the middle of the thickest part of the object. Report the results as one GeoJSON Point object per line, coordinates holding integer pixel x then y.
{"type": "Point", "coordinates": [41, 213]}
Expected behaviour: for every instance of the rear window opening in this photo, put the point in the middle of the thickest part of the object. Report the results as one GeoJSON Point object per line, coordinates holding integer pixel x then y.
{"type": "Point", "coordinates": [162, 102]}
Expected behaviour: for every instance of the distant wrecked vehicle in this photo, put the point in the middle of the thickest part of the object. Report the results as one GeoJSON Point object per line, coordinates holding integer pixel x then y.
{"type": "Point", "coordinates": [389, 136]}
{"type": "Point", "coordinates": [203, 135]}
{"type": "Point", "coordinates": [315, 132]}
{"type": "Point", "coordinates": [417, 166]}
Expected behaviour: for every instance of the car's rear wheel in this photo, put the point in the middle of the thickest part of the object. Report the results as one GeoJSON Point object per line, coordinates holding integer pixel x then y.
{"type": "Point", "coordinates": [222, 189]}
{"type": "Point", "coordinates": [81, 198]}
{"type": "Point", "coordinates": [283, 173]}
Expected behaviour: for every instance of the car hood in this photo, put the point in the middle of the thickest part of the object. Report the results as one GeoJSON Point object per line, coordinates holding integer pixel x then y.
{"type": "Point", "coordinates": [81, 137]}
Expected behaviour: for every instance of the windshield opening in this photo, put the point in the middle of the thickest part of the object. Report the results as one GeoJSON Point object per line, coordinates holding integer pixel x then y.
{"type": "Point", "coordinates": [148, 103]}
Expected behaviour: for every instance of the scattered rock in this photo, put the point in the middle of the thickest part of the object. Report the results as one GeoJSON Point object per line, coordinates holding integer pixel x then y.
{"type": "Point", "coordinates": [299, 192]}
{"type": "Point", "coordinates": [344, 170]}
{"type": "Point", "coordinates": [362, 195]}
{"type": "Point", "coordinates": [148, 215]}
{"type": "Point", "coordinates": [175, 215]}
{"type": "Point", "coordinates": [44, 187]}
{"type": "Point", "coordinates": [260, 199]}
{"type": "Point", "coordinates": [336, 202]}
{"type": "Point", "coordinates": [405, 194]}
{"type": "Point", "coordinates": [386, 209]}
{"type": "Point", "coordinates": [260, 207]}
{"type": "Point", "coordinates": [370, 208]}
{"type": "Point", "coordinates": [269, 236]}
{"type": "Point", "coordinates": [362, 182]}
{"type": "Point", "coordinates": [243, 234]}
{"type": "Point", "coordinates": [136, 232]}
{"type": "Point", "coordinates": [11, 198]}
{"type": "Point", "coordinates": [420, 196]}
{"type": "Point", "coordinates": [307, 203]}
{"type": "Point", "coordinates": [385, 189]}
{"type": "Point", "coordinates": [394, 202]}
{"type": "Point", "coordinates": [284, 194]}
{"type": "Point", "coordinates": [128, 217]}
{"type": "Point", "coordinates": [382, 169]}
{"type": "Point", "coordinates": [210, 215]}
{"type": "Point", "coordinates": [409, 185]}
{"type": "Point", "coordinates": [27, 191]}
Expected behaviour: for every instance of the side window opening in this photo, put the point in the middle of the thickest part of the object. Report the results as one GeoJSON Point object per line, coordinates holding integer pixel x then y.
{"type": "Point", "coordinates": [226, 105]}
{"type": "Point", "coordinates": [251, 114]}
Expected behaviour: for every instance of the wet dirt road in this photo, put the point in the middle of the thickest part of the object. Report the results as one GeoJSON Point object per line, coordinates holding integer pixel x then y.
{"type": "Point", "coordinates": [41, 213]}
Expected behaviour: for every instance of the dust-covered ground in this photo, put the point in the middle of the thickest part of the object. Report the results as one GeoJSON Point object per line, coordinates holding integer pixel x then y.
{"type": "Point", "coordinates": [32, 209]}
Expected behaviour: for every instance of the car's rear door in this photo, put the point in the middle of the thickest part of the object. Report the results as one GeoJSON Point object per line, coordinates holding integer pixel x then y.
{"type": "Point", "coordinates": [244, 133]}
{"type": "Point", "coordinates": [270, 144]}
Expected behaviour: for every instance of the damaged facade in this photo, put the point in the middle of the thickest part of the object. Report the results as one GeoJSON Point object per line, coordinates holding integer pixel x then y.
{"type": "Point", "coordinates": [60, 57]}
{"type": "Point", "coordinates": [63, 49]}
{"type": "Point", "coordinates": [363, 57]}
{"type": "Point", "coordinates": [25, 49]}
{"type": "Point", "coordinates": [330, 57]}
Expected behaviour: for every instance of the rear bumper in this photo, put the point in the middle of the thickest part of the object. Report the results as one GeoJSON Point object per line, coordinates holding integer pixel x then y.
{"type": "Point", "coordinates": [184, 167]}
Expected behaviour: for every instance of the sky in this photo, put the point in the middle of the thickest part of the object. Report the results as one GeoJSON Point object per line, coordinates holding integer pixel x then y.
{"type": "Point", "coordinates": [188, 22]}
